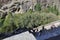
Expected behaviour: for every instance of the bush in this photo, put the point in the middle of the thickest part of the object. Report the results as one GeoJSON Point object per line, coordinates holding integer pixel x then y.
{"type": "Point", "coordinates": [1, 22]}
{"type": "Point", "coordinates": [31, 20]}
{"type": "Point", "coordinates": [38, 7]}
{"type": "Point", "coordinates": [53, 9]}
{"type": "Point", "coordinates": [26, 20]}
{"type": "Point", "coordinates": [8, 25]}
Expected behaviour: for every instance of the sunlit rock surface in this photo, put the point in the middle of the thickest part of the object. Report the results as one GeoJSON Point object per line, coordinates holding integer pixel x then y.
{"type": "Point", "coordinates": [27, 4]}
{"type": "Point", "coordinates": [22, 36]}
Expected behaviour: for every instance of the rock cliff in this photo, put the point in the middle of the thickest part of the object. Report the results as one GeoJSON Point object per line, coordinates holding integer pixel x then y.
{"type": "Point", "coordinates": [20, 6]}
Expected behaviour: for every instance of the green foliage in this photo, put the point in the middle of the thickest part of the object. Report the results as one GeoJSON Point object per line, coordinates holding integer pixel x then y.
{"type": "Point", "coordinates": [38, 7]}
{"type": "Point", "coordinates": [53, 9]}
{"type": "Point", "coordinates": [30, 11]}
{"type": "Point", "coordinates": [8, 25]}
{"type": "Point", "coordinates": [1, 22]}
{"type": "Point", "coordinates": [31, 20]}
{"type": "Point", "coordinates": [26, 20]}
{"type": "Point", "coordinates": [48, 17]}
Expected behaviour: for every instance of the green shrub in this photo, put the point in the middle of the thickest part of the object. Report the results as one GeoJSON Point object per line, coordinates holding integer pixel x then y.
{"type": "Point", "coordinates": [26, 20]}
{"type": "Point", "coordinates": [38, 7]}
{"type": "Point", "coordinates": [31, 20]}
{"type": "Point", "coordinates": [8, 25]}
{"type": "Point", "coordinates": [53, 9]}
{"type": "Point", "coordinates": [1, 22]}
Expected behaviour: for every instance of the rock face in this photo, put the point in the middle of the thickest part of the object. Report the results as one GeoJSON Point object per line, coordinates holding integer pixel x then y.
{"type": "Point", "coordinates": [18, 6]}
{"type": "Point", "coordinates": [21, 6]}
{"type": "Point", "coordinates": [22, 36]}
{"type": "Point", "coordinates": [2, 2]}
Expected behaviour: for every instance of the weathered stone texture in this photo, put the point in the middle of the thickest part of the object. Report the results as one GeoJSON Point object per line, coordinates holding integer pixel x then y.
{"type": "Point", "coordinates": [22, 36]}
{"type": "Point", "coordinates": [25, 5]}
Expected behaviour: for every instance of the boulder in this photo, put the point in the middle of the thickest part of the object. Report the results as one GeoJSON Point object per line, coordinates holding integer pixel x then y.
{"type": "Point", "coordinates": [22, 36]}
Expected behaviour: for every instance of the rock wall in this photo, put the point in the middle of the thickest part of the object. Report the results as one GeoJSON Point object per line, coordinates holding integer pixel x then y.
{"type": "Point", "coordinates": [21, 6]}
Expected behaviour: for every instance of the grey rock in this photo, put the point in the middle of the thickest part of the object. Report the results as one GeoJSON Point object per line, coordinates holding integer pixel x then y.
{"type": "Point", "coordinates": [25, 5]}
{"type": "Point", "coordinates": [22, 36]}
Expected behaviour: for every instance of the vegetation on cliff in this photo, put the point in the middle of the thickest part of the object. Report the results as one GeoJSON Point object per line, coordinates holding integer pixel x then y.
{"type": "Point", "coordinates": [29, 19]}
